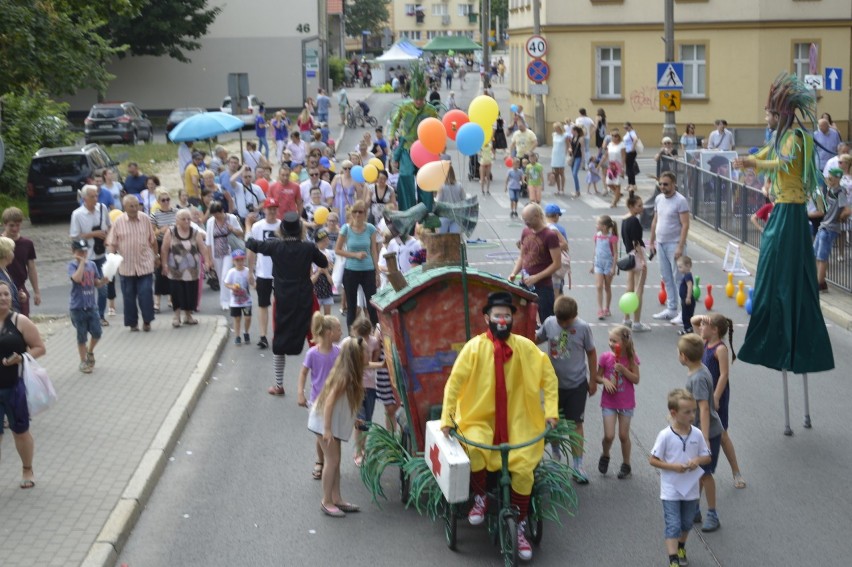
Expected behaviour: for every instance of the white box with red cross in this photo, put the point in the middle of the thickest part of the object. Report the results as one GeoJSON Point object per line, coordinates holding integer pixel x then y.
{"type": "Point", "coordinates": [448, 462]}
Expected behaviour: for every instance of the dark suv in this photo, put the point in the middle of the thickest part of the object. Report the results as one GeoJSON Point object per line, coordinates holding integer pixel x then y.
{"type": "Point", "coordinates": [57, 174]}
{"type": "Point", "coordinates": [119, 122]}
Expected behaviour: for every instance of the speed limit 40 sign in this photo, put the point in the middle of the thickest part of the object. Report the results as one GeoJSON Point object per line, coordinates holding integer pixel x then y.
{"type": "Point", "coordinates": [536, 47]}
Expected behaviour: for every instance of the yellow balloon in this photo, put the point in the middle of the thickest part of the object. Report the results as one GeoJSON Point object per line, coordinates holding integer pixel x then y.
{"type": "Point", "coordinates": [320, 215]}
{"type": "Point", "coordinates": [114, 214]}
{"type": "Point", "coordinates": [377, 163]}
{"type": "Point", "coordinates": [483, 110]}
{"type": "Point", "coordinates": [433, 175]}
{"type": "Point", "coordinates": [370, 173]}
{"type": "Point", "coordinates": [489, 133]}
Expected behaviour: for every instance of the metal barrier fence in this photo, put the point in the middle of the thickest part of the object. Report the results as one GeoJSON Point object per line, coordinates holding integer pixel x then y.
{"type": "Point", "coordinates": [727, 206]}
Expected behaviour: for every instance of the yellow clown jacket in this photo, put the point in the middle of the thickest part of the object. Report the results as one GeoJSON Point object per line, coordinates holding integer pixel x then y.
{"type": "Point", "coordinates": [469, 399]}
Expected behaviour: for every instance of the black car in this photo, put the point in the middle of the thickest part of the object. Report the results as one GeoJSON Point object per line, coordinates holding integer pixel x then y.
{"type": "Point", "coordinates": [119, 122]}
{"type": "Point", "coordinates": [57, 174]}
{"type": "Point", "coordinates": [179, 114]}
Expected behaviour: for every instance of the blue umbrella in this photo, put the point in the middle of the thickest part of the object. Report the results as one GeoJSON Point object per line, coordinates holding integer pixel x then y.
{"type": "Point", "coordinates": [204, 126]}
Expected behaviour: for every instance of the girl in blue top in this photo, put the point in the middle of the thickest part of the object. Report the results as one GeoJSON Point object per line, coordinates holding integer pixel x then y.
{"type": "Point", "coordinates": [357, 244]}
{"type": "Point", "coordinates": [606, 240]}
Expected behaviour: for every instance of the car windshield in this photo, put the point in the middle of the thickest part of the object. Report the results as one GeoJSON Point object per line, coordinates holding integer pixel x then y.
{"type": "Point", "coordinates": [58, 166]}
{"type": "Point", "coordinates": [107, 112]}
{"type": "Point", "coordinates": [182, 113]}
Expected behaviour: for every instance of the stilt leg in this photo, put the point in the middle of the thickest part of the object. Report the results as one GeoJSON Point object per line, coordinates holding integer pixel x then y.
{"type": "Point", "coordinates": [807, 402]}
{"type": "Point", "coordinates": [787, 430]}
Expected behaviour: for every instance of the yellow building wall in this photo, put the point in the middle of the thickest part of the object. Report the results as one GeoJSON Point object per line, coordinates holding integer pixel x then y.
{"type": "Point", "coordinates": [741, 63]}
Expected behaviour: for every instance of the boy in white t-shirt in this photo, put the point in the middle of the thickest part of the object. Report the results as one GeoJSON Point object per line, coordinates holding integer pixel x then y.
{"type": "Point", "coordinates": [260, 266]}
{"type": "Point", "coordinates": [237, 280]}
{"type": "Point", "coordinates": [679, 452]}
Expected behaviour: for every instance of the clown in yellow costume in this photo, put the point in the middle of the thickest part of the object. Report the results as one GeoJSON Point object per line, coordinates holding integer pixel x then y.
{"type": "Point", "coordinates": [493, 396]}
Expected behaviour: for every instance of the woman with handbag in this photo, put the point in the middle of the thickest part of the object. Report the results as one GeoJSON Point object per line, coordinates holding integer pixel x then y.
{"type": "Point", "coordinates": [181, 253]}
{"type": "Point", "coordinates": [18, 335]}
{"type": "Point", "coordinates": [631, 237]}
{"type": "Point", "coordinates": [224, 233]}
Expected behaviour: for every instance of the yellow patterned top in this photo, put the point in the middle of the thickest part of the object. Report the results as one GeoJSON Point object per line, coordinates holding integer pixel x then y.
{"type": "Point", "coordinates": [788, 172]}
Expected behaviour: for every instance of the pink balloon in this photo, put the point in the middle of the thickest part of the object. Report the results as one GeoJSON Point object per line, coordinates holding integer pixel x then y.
{"type": "Point", "coordinates": [420, 155]}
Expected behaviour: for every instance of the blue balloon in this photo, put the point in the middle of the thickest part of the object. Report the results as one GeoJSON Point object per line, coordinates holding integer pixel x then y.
{"type": "Point", "coordinates": [324, 162]}
{"type": "Point", "coordinates": [358, 174]}
{"type": "Point", "coordinates": [470, 138]}
{"type": "Point", "coordinates": [753, 150]}
{"type": "Point", "coordinates": [514, 108]}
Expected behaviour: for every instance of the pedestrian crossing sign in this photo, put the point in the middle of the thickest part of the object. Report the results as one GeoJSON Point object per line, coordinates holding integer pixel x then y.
{"type": "Point", "coordinates": [669, 101]}
{"type": "Point", "coordinates": [670, 76]}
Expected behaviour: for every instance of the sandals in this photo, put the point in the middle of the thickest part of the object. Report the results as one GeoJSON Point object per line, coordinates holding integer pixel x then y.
{"type": "Point", "coordinates": [275, 390]}
{"type": "Point", "coordinates": [26, 484]}
{"type": "Point", "coordinates": [176, 322]}
{"type": "Point", "coordinates": [603, 464]}
{"type": "Point", "coordinates": [359, 460]}
{"type": "Point", "coordinates": [317, 472]}
{"type": "Point", "coordinates": [190, 321]}
{"type": "Point", "coordinates": [332, 511]}
{"type": "Point", "coordinates": [739, 481]}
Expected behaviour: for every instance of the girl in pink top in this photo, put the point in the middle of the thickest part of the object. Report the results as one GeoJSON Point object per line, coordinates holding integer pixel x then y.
{"type": "Point", "coordinates": [618, 372]}
{"type": "Point", "coordinates": [319, 361]}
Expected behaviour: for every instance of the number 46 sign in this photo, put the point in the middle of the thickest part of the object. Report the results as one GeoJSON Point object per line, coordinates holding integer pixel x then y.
{"type": "Point", "coordinates": [536, 46]}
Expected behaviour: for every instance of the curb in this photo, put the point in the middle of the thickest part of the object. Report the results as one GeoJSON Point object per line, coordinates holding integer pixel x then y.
{"type": "Point", "coordinates": [709, 239]}
{"type": "Point", "coordinates": [112, 537]}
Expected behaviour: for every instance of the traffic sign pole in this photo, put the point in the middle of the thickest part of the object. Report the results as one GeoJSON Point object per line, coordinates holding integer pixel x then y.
{"type": "Point", "coordinates": [539, 101]}
{"type": "Point", "coordinates": [669, 124]}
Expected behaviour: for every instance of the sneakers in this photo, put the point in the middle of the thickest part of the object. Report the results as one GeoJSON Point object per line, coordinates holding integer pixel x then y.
{"type": "Point", "coordinates": [603, 464]}
{"type": "Point", "coordinates": [601, 315]}
{"type": "Point", "coordinates": [641, 327]}
{"type": "Point", "coordinates": [238, 341]}
{"type": "Point", "coordinates": [524, 547]}
{"type": "Point", "coordinates": [625, 471]}
{"type": "Point", "coordinates": [477, 512]}
{"type": "Point", "coordinates": [580, 476]}
{"type": "Point", "coordinates": [607, 313]}
{"type": "Point", "coordinates": [665, 315]}
{"type": "Point", "coordinates": [678, 319]}
{"type": "Point", "coordinates": [627, 323]}
{"type": "Point", "coordinates": [275, 390]}
{"type": "Point", "coordinates": [246, 338]}
{"type": "Point", "coordinates": [85, 367]}
{"type": "Point", "coordinates": [90, 359]}
{"type": "Point", "coordinates": [682, 561]}
{"type": "Point", "coordinates": [262, 343]}
{"type": "Point", "coordinates": [711, 522]}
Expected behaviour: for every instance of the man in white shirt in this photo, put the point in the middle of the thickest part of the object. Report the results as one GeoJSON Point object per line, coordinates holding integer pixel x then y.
{"type": "Point", "coordinates": [668, 238]}
{"type": "Point", "coordinates": [588, 125]}
{"type": "Point", "coordinates": [834, 162]}
{"type": "Point", "coordinates": [260, 266]}
{"type": "Point", "coordinates": [90, 221]}
{"type": "Point", "coordinates": [248, 197]}
{"type": "Point", "coordinates": [524, 141]}
{"type": "Point", "coordinates": [315, 181]}
{"type": "Point", "coordinates": [721, 138]}
{"type": "Point", "coordinates": [296, 147]}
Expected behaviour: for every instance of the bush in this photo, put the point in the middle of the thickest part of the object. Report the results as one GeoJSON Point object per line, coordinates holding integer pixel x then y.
{"type": "Point", "coordinates": [31, 120]}
{"type": "Point", "coordinates": [385, 88]}
{"type": "Point", "coordinates": [335, 70]}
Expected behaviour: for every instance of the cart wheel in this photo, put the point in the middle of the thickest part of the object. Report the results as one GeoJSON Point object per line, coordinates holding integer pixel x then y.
{"type": "Point", "coordinates": [509, 540]}
{"type": "Point", "coordinates": [404, 482]}
{"type": "Point", "coordinates": [535, 529]}
{"type": "Point", "coordinates": [450, 525]}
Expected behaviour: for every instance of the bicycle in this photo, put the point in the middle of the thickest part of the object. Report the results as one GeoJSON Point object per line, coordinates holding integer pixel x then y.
{"type": "Point", "coordinates": [362, 115]}
{"type": "Point", "coordinates": [352, 118]}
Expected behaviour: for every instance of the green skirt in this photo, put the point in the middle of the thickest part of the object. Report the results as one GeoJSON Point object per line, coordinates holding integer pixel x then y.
{"type": "Point", "coordinates": [787, 330]}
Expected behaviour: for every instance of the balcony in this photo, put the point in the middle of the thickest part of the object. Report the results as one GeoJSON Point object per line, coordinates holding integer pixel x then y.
{"type": "Point", "coordinates": [419, 16]}
{"type": "Point", "coordinates": [472, 18]}
{"type": "Point", "coordinates": [445, 20]}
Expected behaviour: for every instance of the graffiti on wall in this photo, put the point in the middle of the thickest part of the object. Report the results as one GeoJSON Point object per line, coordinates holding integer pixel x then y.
{"type": "Point", "coordinates": [644, 98]}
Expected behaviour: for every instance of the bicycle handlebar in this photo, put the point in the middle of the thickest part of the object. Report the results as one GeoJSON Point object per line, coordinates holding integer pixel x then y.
{"type": "Point", "coordinates": [502, 446]}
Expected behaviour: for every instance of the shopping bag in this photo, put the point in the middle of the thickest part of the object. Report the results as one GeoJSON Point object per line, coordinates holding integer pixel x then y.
{"type": "Point", "coordinates": [40, 392]}
{"type": "Point", "coordinates": [337, 272]}
{"type": "Point", "coordinates": [113, 261]}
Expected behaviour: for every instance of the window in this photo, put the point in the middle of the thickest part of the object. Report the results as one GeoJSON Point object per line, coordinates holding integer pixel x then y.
{"type": "Point", "coordinates": [801, 59]}
{"type": "Point", "coordinates": [469, 34]}
{"type": "Point", "coordinates": [440, 10]}
{"type": "Point", "coordinates": [608, 72]}
{"type": "Point", "coordinates": [409, 9]}
{"type": "Point", "coordinates": [694, 70]}
{"type": "Point", "coordinates": [465, 9]}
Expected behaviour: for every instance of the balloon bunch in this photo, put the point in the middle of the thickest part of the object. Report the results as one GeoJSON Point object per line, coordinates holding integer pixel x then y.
{"type": "Point", "coordinates": [368, 172]}
{"type": "Point", "coordinates": [470, 132]}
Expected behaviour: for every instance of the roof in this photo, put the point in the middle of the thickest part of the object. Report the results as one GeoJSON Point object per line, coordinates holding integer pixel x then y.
{"type": "Point", "coordinates": [398, 52]}
{"type": "Point", "coordinates": [452, 42]}
{"type": "Point", "coordinates": [419, 280]}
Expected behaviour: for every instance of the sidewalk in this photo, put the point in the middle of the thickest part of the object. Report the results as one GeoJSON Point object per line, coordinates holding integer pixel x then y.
{"type": "Point", "coordinates": [100, 450]}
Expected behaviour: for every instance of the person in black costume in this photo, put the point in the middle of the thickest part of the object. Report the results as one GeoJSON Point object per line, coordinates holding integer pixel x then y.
{"type": "Point", "coordinates": [291, 268]}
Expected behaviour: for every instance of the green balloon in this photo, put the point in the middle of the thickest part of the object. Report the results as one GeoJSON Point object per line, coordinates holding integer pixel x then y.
{"type": "Point", "coordinates": [629, 303]}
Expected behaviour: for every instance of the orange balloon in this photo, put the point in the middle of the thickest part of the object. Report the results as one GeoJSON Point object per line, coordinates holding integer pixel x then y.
{"type": "Point", "coordinates": [453, 120]}
{"type": "Point", "coordinates": [432, 135]}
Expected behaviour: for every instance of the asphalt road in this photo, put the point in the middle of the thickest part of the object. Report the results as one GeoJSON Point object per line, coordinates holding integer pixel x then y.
{"type": "Point", "coordinates": [238, 490]}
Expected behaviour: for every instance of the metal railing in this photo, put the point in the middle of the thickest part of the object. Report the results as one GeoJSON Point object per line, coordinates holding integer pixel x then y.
{"type": "Point", "coordinates": [727, 207]}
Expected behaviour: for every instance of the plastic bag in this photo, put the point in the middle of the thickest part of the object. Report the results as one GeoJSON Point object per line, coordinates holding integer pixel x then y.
{"type": "Point", "coordinates": [40, 392]}
{"type": "Point", "coordinates": [110, 267]}
{"type": "Point", "coordinates": [337, 272]}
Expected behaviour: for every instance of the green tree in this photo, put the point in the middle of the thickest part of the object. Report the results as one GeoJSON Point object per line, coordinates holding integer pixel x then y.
{"type": "Point", "coordinates": [163, 27]}
{"type": "Point", "coordinates": [360, 15]}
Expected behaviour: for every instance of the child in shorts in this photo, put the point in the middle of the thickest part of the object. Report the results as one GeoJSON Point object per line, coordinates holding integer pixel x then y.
{"type": "Point", "coordinates": [321, 277]}
{"type": "Point", "coordinates": [534, 175]}
{"type": "Point", "coordinates": [575, 360]}
{"type": "Point", "coordinates": [237, 280]}
{"type": "Point", "coordinates": [514, 178]}
{"type": "Point", "coordinates": [678, 452]}
{"type": "Point", "coordinates": [84, 303]}
{"type": "Point", "coordinates": [699, 382]}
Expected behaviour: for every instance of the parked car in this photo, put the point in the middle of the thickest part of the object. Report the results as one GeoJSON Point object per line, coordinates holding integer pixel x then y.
{"type": "Point", "coordinates": [117, 122]}
{"type": "Point", "coordinates": [179, 114]}
{"type": "Point", "coordinates": [249, 107]}
{"type": "Point", "coordinates": [57, 174]}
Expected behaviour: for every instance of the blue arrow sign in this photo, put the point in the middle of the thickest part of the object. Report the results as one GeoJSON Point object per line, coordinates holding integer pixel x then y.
{"type": "Point", "coordinates": [670, 76]}
{"type": "Point", "coordinates": [833, 78]}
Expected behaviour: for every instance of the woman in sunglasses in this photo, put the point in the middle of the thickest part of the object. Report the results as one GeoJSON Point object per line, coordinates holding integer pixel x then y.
{"type": "Point", "coordinates": [163, 219]}
{"type": "Point", "coordinates": [357, 245]}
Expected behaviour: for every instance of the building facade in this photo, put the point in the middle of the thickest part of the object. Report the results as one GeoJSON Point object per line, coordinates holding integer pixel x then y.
{"type": "Point", "coordinates": [275, 41]}
{"type": "Point", "coordinates": [604, 54]}
{"type": "Point", "coordinates": [421, 22]}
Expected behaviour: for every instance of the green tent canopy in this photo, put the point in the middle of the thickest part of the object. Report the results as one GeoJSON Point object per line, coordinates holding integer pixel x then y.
{"type": "Point", "coordinates": [457, 43]}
